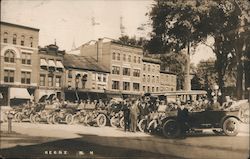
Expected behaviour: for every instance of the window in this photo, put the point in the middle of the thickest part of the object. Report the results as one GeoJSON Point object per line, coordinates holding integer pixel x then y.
{"type": "Point", "coordinates": [99, 77]}
{"type": "Point", "coordinates": [136, 73]}
{"type": "Point", "coordinates": [129, 58]}
{"type": "Point", "coordinates": [31, 41]}
{"type": "Point", "coordinates": [26, 58]}
{"type": "Point", "coordinates": [22, 40]}
{"type": "Point", "coordinates": [153, 69]}
{"type": "Point", "coordinates": [115, 84]}
{"type": "Point", "coordinates": [134, 59]}
{"type": "Point", "coordinates": [126, 86]}
{"type": "Point", "coordinates": [144, 67]}
{"type": "Point", "coordinates": [126, 71]}
{"type": "Point", "coordinates": [58, 81]}
{"type": "Point", "coordinates": [136, 86]}
{"type": "Point", "coordinates": [157, 79]}
{"type": "Point", "coordinates": [124, 57]}
{"type": "Point", "coordinates": [104, 78]}
{"type": "Point", "coordinates": [14, 38]}
{"type": "Point", "coordinates": [144, 78]}
{"type": "Point", "coordinates": [115, 70]}
{"type": "Point", "coordinates": [139, 59]}
{"type": "Point", "coordinates": [153, 89]}
{"type": "Point", "coordinates": [50, 81]}
{"type": "Point", "coordinates": [70, 74]}
{"type": "Point", "coordinates": [25, 77]}
{"type": "Point", "coordinates": [153, 79]}
{"type": "Point", "coordinates": [144, 88]}
{"type": "Point", "coordinates": [93, 76]}
{"type": "Point", "coordinates": [113, 56]}
{"type": "Point", "coordinates": [148, 89]}
{"type": "Point", "coordinates": [118, 56]}
{"type": "Point", "coordinates": [5, 37]}
{"type": "Point", "coordinates": [148, 78]}
{"type": "Point", "coordinates": [148, 67]}
{"type": "Point", "coordinates": [9, 56]}
{"type": "Point", "coordinates": [42, 80]}
{"type": "Point", "coordinates": [157, 89]}
{"type": "Point", "coordinates": [9, 76]}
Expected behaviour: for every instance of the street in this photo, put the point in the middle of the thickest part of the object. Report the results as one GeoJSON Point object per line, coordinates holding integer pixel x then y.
{"type": "Point", "coordinates": [77, 141]}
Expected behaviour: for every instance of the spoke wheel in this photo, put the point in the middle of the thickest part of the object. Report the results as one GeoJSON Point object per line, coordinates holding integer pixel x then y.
{"type": "Point", "coordinates": [171, 129]}
{"type": "Point", "coordinates": [101, 120]}
{"type": "Point", "coordinates": [231, 126]}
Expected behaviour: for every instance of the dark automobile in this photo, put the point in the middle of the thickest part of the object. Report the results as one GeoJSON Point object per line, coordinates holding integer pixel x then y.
{"type": "Point", "coordinates": [223, 122]}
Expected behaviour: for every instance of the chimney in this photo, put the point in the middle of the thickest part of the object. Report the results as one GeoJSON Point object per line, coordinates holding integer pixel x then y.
{"type": "Point", "coordinates": [99, 49]}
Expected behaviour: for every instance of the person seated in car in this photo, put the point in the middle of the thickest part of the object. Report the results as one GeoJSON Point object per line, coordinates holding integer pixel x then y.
{"type": "Point", "coordinates": [100, 104]}
{"type": "Point", "coordinates": [215, 104]}
{"type": "Point", "coordinates": [228, 103]}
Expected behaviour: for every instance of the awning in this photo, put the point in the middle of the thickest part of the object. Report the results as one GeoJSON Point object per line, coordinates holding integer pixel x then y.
{"type": "Point", "coordinates": [20, 93]}
{"type": "Point", "coordinates": [52, 63]}
{"type": "Point", "coordinates": [43, 62]}
{"type": "Point", "coordinates": [59, 64]}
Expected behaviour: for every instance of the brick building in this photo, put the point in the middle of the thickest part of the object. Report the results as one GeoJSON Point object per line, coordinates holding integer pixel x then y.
{"type": "Point", "coordinates": [18, 65]}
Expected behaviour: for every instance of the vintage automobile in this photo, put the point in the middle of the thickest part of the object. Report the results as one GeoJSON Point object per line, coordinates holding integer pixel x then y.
{"type": "Point", "coordinates": [96, 117]}
{"type": "Point", "coordinates": [223, 122]}
{"type": "Point", "coordinates": [79, 116]}
{"type": "Point", "coordinates": [115, 115]}
{"type": "Point", "coordinates": [45, 115]}
{"type": "Point", "coordinates": [63, 115]}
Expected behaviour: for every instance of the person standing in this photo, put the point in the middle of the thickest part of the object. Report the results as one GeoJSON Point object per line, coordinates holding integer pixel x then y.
{"type": "Point", "coordinates": [126, 114]}
{"type": "Point", "coordinates": [134, 111]}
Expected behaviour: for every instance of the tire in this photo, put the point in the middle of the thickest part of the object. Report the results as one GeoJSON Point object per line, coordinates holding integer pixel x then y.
{"type": "Point", "coordinates": [142, 125]}
{"type": "Point", "coordinates": [231, 126]}
{"type": "Point", "coordinates": [88, 119]}
{"type": "Point", "coordinates": [152, 126]}
{"type": "Point", "coordinates": [69, 119]}
{"type": "Point", "coordinates": [114, 122]}
{"type": "Point", "coordinates": [36, 118]}
{"type": "Point", "coordinates": [101, 120]}
{"type": "Point", "coordinates": [55, 119]}
{"type": "Point", "coordinates": [171, 129]}
{"type": "Point", "coordinates": [50, 119]}
{"type": "Point", "coordinates": [122, 124]}
{"type": "Point", "coordinates": [18, 117]}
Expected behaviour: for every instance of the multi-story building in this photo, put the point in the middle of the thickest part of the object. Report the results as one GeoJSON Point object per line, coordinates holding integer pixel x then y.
{"type": "Point", "coordinates": [151, 75]}
{"type": "Point", "coordinates": [123, 61]}
{"type": "Point", "coordinates": [18, 65]}
{"type": "Point", "coordinates": [167, 81]}
{"type": "Point", "coordinates": [84, 78]}
{"type": "Point", "coordinates": [51, 72]}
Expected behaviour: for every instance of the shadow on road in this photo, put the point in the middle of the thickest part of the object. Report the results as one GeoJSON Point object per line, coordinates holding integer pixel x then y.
{"type": "Point", "coordinates": [76, 148]}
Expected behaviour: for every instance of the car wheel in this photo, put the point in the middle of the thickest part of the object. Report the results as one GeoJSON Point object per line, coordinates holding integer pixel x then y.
{"type": "Point", "coordinates": [122, 124]}
{"type": "Point", "coordinates": [231, 126]}
{"type": "Point", "coordinates": [171, 129]}
{"type": "Point", "coordinates": [18, 117]}
{"type": "Point", "coordinates": [36, 118]}
{"type": "Point", "coordinates": [50, 119]}
{"type": "Point", "coordinates": [142, 125]}
{"type": "Point", "coordinates": [55, 119]}
{"type": "Point", "coordinates": [76, 119]}
{"type": "Point", "coordinates": [152, 126]}
{"type": "Point", "coordinates": [114, 122]}
{"type": "Point", "coordinates": [69, 119]}
{"type": "Point", "coordinates": [101, 120]}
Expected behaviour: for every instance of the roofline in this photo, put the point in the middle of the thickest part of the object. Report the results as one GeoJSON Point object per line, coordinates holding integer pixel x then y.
{"type": "Point", "coordinates": [166, 72]}
{"type": "Point", "coordinates": [150, 61]}
{"type": "Point", "coordinates": [119, 43]}
{"type": "Point", "coordinates": [20, 26]}
{"type": "Point", "coordinates": [85, 69]}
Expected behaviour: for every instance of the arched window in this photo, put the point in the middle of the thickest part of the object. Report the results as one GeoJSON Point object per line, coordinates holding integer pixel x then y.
{"type": "Point", "coordinates": [9, 56]}
{"type": "Point", "coordinates": [22, 40]}
{"type": "Point", "coordinates": [113, 56]}
{"type": "Point", "coordinates": [5, 37]}
{"type": "Point", "coordinates": [118, 56]}
{"type": "Point", "coordinates": [31, 41]}
{"type": "Point", "coordinates": [14, 38]}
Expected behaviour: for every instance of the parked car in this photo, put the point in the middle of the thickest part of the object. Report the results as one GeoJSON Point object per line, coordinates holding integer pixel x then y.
{"type": "Point", "coordinates": [225, 122]}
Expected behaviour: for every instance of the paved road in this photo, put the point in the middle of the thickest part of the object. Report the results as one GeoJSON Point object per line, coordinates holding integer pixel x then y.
{"type": "Point", "coordinates": [79, 141]}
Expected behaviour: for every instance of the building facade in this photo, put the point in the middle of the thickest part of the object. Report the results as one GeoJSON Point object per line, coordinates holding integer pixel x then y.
{"type": "Point", "coordinates": [18, 65]}
{"type": "Point", "coordinates": [51, 72]}
{"type": "Point", "coordinates": [84, 78]}
{"type": "Point", "coordinates": [124, 63]}
{"type": "Point", "coordinates": [167, 81]}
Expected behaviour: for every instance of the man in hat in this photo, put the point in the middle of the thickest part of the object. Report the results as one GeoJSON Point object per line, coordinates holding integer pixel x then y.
{"type": "Point", "coordinates": [134, 111]}
{"type": "Point", "coordinates": [126, 113]}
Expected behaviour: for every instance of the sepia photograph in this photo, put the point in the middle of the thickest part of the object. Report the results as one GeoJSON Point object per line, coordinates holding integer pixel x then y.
{"type": "Point", "coordinates": [124, 79]}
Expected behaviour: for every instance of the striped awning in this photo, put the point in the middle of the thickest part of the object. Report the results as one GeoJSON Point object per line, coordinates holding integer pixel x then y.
{"type": "Point", "coordinates": [59, 64]}
{"type": "Point", "coordinates": [52, 63]}
{"type": "Point", "coordinates": [43, 62]}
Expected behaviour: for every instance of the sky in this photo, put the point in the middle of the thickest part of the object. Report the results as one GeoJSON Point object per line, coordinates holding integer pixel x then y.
{"type": "Point", "coordinates": [79, 21]}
